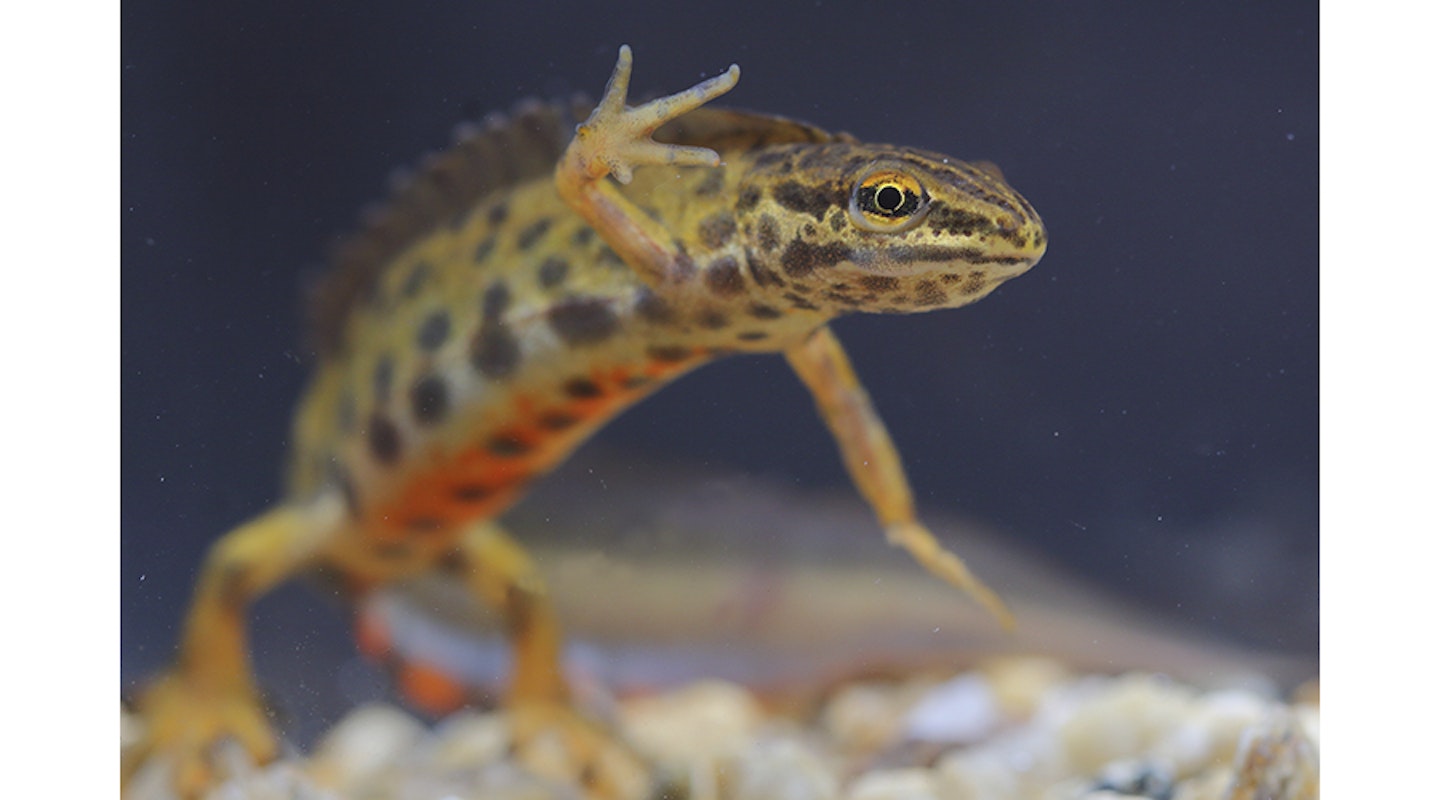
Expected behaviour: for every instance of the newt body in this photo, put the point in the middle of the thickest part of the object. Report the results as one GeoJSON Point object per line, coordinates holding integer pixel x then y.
{"type": "Point", "coordinates": [512, 298]}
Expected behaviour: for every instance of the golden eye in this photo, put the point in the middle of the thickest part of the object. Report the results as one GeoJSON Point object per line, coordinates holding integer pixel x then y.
{"type": "Point", "coordinates": [887, 200]}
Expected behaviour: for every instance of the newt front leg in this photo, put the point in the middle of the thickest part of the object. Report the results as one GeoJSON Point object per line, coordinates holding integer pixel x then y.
{"type": "Point", "coordinates": [874, 464]}
{"type": "Point", "coordinates": [614, 141]}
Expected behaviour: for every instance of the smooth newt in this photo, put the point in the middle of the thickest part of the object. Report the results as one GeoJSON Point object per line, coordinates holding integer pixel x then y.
{"type": "Point", "coordinates": [523, 288]}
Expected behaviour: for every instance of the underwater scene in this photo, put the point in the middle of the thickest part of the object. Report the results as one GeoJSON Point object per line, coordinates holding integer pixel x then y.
{"type": "Point", "coordinates": [930, 409]}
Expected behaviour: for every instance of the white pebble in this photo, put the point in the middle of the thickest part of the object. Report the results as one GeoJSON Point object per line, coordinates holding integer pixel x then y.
{"type": "Point", "coordinates": [366, 741]}
{"type": "Point", "coordinates": [895, 784]}
{"type": "Point", "coordinates": [960, 710]}
{"type": "Point", "coordinates": [705, 722]}
{"type": "Point", "coordinates": [783, 769]}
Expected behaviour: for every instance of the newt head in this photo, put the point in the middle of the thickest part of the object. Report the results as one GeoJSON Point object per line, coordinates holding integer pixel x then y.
{"type": "Point", "coordinates": [884, 228]}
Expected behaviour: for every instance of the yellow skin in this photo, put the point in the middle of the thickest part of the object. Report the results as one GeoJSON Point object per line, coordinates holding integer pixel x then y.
{"type": "Point", "coordinates": [499, 316]}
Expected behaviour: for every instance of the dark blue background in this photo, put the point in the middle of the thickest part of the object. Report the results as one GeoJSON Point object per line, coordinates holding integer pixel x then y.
{"type": "Point", "coordinates": [1142, 406]}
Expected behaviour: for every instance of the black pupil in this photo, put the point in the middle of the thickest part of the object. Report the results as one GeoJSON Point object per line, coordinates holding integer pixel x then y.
{"type": "Point", "coordinates": [889, 198]}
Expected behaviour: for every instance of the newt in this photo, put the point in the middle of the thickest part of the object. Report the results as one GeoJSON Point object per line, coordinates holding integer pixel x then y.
{"type": "Point", "coordinates": [521, 289]}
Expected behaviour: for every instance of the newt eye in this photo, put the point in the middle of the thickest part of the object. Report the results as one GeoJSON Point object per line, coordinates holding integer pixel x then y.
{"type": "Point", "coordinates": [888, 200]}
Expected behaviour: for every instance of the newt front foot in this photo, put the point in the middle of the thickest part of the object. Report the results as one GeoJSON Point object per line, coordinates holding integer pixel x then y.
{"type": "Point", "coordinates": [184, 723]}
{"type": "Point", "coordinates": [616, 139]}
{"type": "Point", "coordinates": [922, 546]}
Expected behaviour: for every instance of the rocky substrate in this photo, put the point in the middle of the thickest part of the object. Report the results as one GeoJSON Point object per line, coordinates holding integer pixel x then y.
{"type": "Point", "coordinates": [1014, 728]}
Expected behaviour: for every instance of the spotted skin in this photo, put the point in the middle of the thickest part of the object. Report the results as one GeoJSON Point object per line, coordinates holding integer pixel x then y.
{"type": "Point", "coordinates": [522, 289]}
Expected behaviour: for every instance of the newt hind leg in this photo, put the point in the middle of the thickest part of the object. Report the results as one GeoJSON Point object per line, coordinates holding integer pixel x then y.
{"type": "Point", "coordinates": [209, 695]}
{"type": "Point", "coordinates": [497, 569]}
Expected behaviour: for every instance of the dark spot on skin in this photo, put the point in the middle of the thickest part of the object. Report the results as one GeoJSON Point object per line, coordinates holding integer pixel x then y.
{"type": "Point", "coordinates": [494, 302]}
{"type": "Point", "coordinates": [583, 320]}
{"type": "Point", "coordinates": [498, 213]}
{"type": "Point", "coordinates": [956, 221]}
{"type": "Point", "coordinates": [712, 319]}
{"type": "Point", "coordinates": [822, 158]}
{"type": "Point", "coordinates": [760, 272]}
{"type": "Point", "coordinates": [749, 198]}
{"type": "Point", "coordinates": [769, 234]}
{"type": "Point", "coordinates": [879, 283]}
{"type": "Point", "coordinates": [652, 308]}
{"type": "Point", "coordinates": [929, 293]}
{"type": "Point", "coordinates": [796, 301]}
{"type": "Point", "coordinates": [713, 182]}
{"type": "Point", "coordinates": [723, 277]}
{"type": "Point", "coordinates": [424, 524]}
{"type": "Point", "coordinates": [583, 236]}
{"type": "Point", "coordinates": [683, 268]}
{"type": "Point", "coordinates": [837, 221]}
{"type": "Point", "coordinates": [773, 157]}
{"type": "Point", "coordinates": [802, 258]}
{"type": "Point", "coordinates": [484, 249]}
{"type": "Point", "coordinates": [752, 336]}
{"type": "Point", "coordinates": [840, 298]}
{"type": "Point", "coordinates": [557, 420]}
{"type": "Point", "coordinates": [384, 440]}
{"type": "Point", "coordinates": [809, 230]}
{"type": "Point", "coordinates": [532, 233]}
{"type": "Point", "coordinates": [797, 197]}
{"type": "Point", "coordinates": [553, 272]}
{"type": "Point", "coordinates": [762, 311]}
{"type": "Point", "coordinates": [508, 445]}
{"type": "Point", "coordinates": [717, 229]}
{"type": "Point", "coordinates": [383, 379]}
{"type": "Point", "coordinates": [494, 352]}
{"type": "Point", "coordinates": [669, 354]}
{"type": "Point", "coordinates": [951, 277]}
{"type": "Point", "coordinates": [582, 389]}
{"type": "Point", "coordinates": [393, 551]}
{"type": "Point", "coordinates": [470, 492]}
{"type": "Point", "coordinates": [590, 776]}
{"type": "Point", "coordinates": [607, 257]}
{"type": "Point", "coordinates": [416, 279]}
{"type": "Point", "coordinates": [973, 284]}
{"type": "Point", "coordinates": [429, 400]}
{"type": "Point", "coordinates": [434, 331]}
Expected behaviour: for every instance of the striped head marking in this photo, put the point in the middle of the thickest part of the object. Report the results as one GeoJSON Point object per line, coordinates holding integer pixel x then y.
{"type": "Point", "coordinates": [882, 228]}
